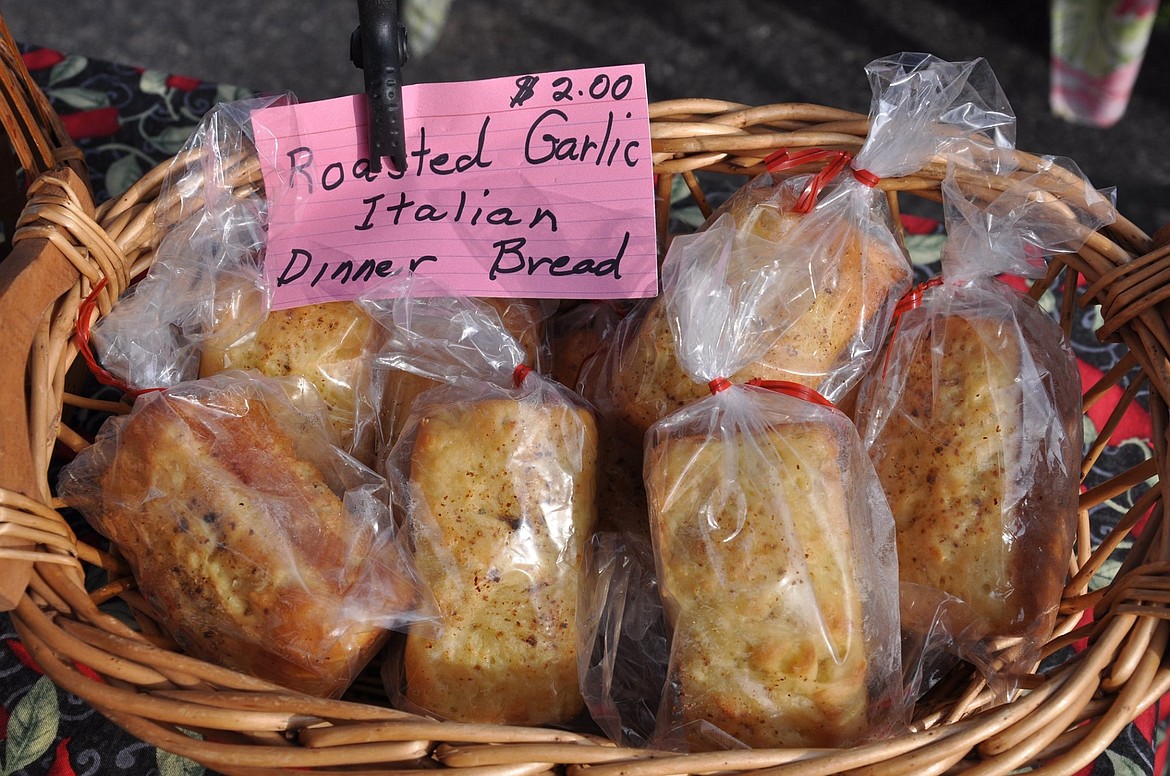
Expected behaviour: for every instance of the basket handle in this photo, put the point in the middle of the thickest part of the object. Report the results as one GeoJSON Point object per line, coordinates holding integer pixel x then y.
{"type": "Point", "coordinates": [36, 138]}
{"type": "Point", "coordinates": [37, 280]}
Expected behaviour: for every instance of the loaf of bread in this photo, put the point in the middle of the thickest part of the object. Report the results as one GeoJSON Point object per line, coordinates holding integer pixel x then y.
{"type": "Point", "coordinates": [761, 586]}
{"type": "Point", "coordinates": [578, 335]}
{"type": "Point", "coordinates": [220, 498]}
{"type": "Point", "coordinates": [503, 495]}
{"type": "Point", "coordinates": [330, 344]}
{"type": "Point", "coordinates": [977, 446]}
{"type": "Point", "coordinates": [820, 349]}
{"type": "Point", "coordinates": [571, 350]}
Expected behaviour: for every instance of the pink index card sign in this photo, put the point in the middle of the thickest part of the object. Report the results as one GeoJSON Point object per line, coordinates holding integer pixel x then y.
{"type": "Point", "coordinates": [532, 186]}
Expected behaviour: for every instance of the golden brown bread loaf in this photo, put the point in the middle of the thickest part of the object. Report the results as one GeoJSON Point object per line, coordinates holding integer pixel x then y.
{"type": "Point", "coordinates": [503, 503]}
{"type": "Point", "coordinates": [649, 382]}
{"type": "Point", "coordinates": [983, 508]}
{"type": "Point", "coordinates": [330, 344]}
{"type": "Point", "coordinates": [760, 587]}
{"type": "Point", "coordinates": [240, 542]}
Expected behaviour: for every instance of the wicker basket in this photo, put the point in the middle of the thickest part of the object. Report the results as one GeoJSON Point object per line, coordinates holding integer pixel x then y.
{"type": "Point", "coordinates": [65, 248]}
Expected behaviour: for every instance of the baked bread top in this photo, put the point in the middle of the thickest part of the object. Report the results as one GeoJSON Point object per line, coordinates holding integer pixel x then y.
{"type": "Point", "coordinates": [502, 502]}
{"type": "Point", "coordinates": [823, 348]}
{"type": "Point", "coordinates": [241, 542]}
{"type": "Point", "coordinates": [330, 344]}
{"type": "Point", "coordinates": [757, 571]}
{"type": "Point", "coordinates": [984, 509]}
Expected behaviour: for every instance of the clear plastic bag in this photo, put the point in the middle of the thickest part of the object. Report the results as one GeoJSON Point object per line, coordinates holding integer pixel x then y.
{"type": "Point", "coordinates": [578, 336]}
{"type": "Point", "coordinates": [524, 319]}
{"type": "Point", "coordinates": [331, 344]}
{"type": "Point", "coordinates": [845, 249]}
{"type": "Point", "coordinates": [643, 378]}
{"type": "Point", "coordinates": [205, 278]}
{"type": "Point", "coordinates": [580, 340]}
{"type": "Point", "coordinates": [207, 266]}
{"type": "Point", "coordinates": [497, 466]}
{"type": "Point", "coordinates": [974, 423]}
{"type": "Point", "coordinates": [625, 643]}
{"type": "Point", "coordinates": [203, 306]}
{"type": "Point", "coordinates": [938, 632]}
{"type": "Point", "coordinates": [773, 542]}
{"type": "Point", "coordinates": [255, 542]}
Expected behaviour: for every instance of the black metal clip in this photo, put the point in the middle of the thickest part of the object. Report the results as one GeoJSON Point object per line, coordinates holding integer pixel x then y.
{"type": "Point", "coordinates": [378, 47]}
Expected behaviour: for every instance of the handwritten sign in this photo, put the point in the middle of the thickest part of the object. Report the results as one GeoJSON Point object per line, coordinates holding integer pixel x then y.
{"type": "Point", "coordinates": [534, 186]}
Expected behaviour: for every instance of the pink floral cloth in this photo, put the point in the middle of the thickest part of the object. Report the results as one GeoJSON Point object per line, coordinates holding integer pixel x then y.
{"type": "Point", "coordinates": [1097, 51]}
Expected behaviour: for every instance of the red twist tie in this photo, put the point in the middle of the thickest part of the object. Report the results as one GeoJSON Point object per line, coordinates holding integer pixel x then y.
{"type": "Point", "coordinates": [865, 177]}
{"type": "Point", "coordinates": [787, 160]}
{"type": "Point", "coordinates": [795, 390]}
{"type": "Point", "coordinates": [719, 384]}
{"type": "Point", "coordinates": [81, 339]}
{"type": "Point", "coordinates": [519, 373]}
{"type": "Point", "coordinates": [911, 300]}
{"type": "Point", "coordinates": [783, 160]}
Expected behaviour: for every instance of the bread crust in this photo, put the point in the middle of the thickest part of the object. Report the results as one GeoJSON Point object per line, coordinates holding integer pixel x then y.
{"type": "Point", "coordinates": [984, 508]}
{"type": "Point", "coordinates": [503, 500]}
{"type": "Point", "coordinates": [246, 554]}
{"type": "Point", "coordinates": [330, 344]}
{"type": "Point", "coordinates": [816, 351]}
{"type": "Point", "coordinates": [760, 587]}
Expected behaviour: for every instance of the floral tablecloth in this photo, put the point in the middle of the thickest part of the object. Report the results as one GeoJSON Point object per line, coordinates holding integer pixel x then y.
{"type": "Point", "coordinates": [126, 120]}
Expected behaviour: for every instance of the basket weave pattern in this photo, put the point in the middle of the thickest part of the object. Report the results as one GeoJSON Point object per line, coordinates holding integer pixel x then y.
{"type": "Point", "coordinates": [65, 247]}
